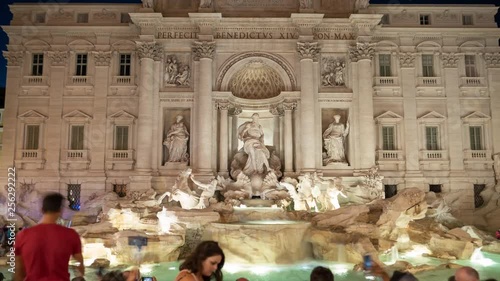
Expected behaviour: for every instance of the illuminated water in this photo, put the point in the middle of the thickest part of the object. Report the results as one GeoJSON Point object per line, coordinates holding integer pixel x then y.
{"type": "Point", "coordinates": [487, 264]}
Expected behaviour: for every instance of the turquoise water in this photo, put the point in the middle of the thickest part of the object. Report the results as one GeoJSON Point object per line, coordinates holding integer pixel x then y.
{"type": "Point", "coordinates": [489, 267]}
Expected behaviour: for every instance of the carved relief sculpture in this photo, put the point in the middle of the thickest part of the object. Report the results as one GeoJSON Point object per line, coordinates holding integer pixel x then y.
{"type": "Point", "coordinates": [333, 72]}
{"type": "Point", "coordinates": [176, 142]}
{"type": "Point", "coordinates": [176, 73]}
{"type": "Point", "coordinates": [13, 58]}
{"type": "Point", "coordinates": [334, 138]}
{"type": "Point", "coordinates": [58, 58]}
{"type": "Point", "coordinates": [492, 60]}
{"type": "Point", "coordinates": [102, 58]}
{"type": "Point", "coordinates": [308, 50]}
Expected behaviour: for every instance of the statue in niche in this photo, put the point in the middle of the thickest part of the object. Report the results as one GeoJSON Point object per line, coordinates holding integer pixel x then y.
{"type": "Point", "coordinates": [206, 4]}
{"type": "Point", "coordinates": [334, 137]}
{"type": "Point", "coordinates": [252, 135]}
{"type": "Point", "coordinates": [176, 141]}
{"type": "Point", "coordinates": [148, 4]}
{"type": "Point", "coordinates": [305, 4]}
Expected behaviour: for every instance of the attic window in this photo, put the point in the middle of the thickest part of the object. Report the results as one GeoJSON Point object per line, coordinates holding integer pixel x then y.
{"type": "Point", "coordinates": [82, 18]}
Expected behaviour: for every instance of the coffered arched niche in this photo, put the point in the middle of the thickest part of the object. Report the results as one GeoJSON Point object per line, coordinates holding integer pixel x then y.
{"type": "Point", "coordinates": [274, 65]}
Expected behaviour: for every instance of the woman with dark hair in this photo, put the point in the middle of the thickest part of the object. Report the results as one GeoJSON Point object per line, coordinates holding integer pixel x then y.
{"type": "Point", "coordinates": [205, 262]}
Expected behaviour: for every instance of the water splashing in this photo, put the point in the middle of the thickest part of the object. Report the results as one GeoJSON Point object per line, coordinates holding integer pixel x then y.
{"type": "Point", "coordinates": [478, 258]}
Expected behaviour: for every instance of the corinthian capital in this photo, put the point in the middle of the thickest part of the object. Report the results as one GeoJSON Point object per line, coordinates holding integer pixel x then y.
{"type": "Point", "coordinates": [58, 58]}
{"type": "Point", "coordinates": [407, 60]}
{"type": "Point", "coordinates": [203, 49]}
{"type": "Point", "coordinates": [149, 50]}
{"type": "Point", "coordinates": [308, 50]}
{"type": "Point", "coordinates": [14, 58]}
{"type": "Point", "coordinates": [450, 60]}
{"type": "Point", "coordinates": [492, 60]}
{"type": "Point", "coordinates": [362, 51]}
{"type": "Point", "coordinates": [102, 58]}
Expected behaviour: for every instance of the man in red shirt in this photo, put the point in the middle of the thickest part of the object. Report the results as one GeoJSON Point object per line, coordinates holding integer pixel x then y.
{"type": "Point", "coordinates": [43, 251]}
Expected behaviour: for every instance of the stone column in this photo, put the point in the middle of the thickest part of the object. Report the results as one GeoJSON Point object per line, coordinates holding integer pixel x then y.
{"type": "Point", "coordinates": [14, 77]}
{"type": "Point", "coordinates": [307, 52]}
{"type": "Point", "coordinates": [157, 137]}
{"type": "Point", "coordinates": [234, 129]}
{"type": "Point", "coordinates": [453, 106]}
{"type": "Point", "coordinates": [223, 138]}
{"type": "Point", "coordinates": [58, 62]}
{"type": "Point", "coordinates": [493, 65]}
{"type": "Point", "coordinates": [288, 107]}
{"type": "Point", "coordinates": [362, 55]}
{"type": "Point", "coordinates": [204, 53]}
{"type": "Point", "coordinates": [97, 147]}
{"type": "Point", "coordinates": [148, 53]}
{"type": "Point", "coordinates": [277, 112]}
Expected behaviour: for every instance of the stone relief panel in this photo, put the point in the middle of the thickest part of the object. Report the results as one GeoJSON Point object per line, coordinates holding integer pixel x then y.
{"type": "Point", "coordinates": [446, 16]}
{"type": "Point", "coordinates": [176, 136]}
{"type": "Point", "coordinates": [333, 73]}
{"type": "Point", "coordinates": [177, 70]}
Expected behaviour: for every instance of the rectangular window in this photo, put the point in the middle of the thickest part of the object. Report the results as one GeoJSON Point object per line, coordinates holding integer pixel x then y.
{"type": "Point", "coordinates": [81, 65]}
{"type": "Point", "coordinates": [388, 138]}
{"type": "Point", "coordinates": [431, 136]}
{"type": "Point", "coordinates": [82, 18]}
{"type": "Point", "coordinates": [476, 139]}
{"type": "Point", "coordinates": [425, 19]}
{"type": "Point", "coordinates": [385, 19]}
{"type": "Point", "coordinates": [77, 134]}
{"type": "Point", "coordinates": [467, 20]}
{"type": "Point", "coordinates": [478, 199]}
{"type": "Point", "coordinates": [125, 64]}
{"type": "Point", "coordinates": [470, 66]}
{"type": "Point", "coordinates": [390, 190]}
{"type": "Point", "coordinates": [74, 191]}
{"type": "Point", "coordinates": [436, 188]}
{"type": "Point", "coordinates": [32, 137]}
{"type": "Point", "coordinates": [40, 18]}
{"type": "Point", "coordinates": [121, 138]}
{"type": "Point", "coordinates": [125, 18]}
{"type": "Point", "coordinates": [37, 65]}
{"type": "Point", "coordinates": [428, 65]}
{"type": "Point", "coordinates": [385, 65]}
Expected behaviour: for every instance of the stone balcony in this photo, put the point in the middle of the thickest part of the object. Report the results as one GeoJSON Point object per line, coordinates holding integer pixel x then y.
{"type": "Point", "coordinates": [35, 81]}
{"type": "Point", "coordinates": [479, 82]}
{"type": "Point", "coordinates": [123, 81]}
{"type": "Point", "coordinates": [30, 159]}
{"type": "Point", "coordinates": [434, 159]}
{"type": "Point", "coordinates": [391, 159]}
{"type": "Point", "coordinates": [386, 81]}
{"type": "Point", "coordinates": [120, 159]}
{"type": "Point", "coordinates": [429, 82]}
{"type": "Point", "coordinates": [478, 159]}
{"type": "Point", "coordinates": [75, 159]}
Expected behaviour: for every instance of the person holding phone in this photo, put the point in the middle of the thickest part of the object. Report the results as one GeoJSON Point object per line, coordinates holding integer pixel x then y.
{"type": "Point", "coordinates": [203, 264]}
{"type": "Point", "coordinates": [127, 275]}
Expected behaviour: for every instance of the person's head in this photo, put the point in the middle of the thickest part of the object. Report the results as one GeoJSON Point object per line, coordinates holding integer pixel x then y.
{"type": "Point", "coordinates": [402, 276]}
{"type": "Point", "coordinates": [52, 203]}
{"type": "Point", "coordinates": [179, 118]}
{"type": "Point", "coordinates": [207, 259]}
{"type": "Point", "coordinates": [336, 117]}
{"type": "Point", "coordinates": [466, 273]}
{"type": "Point", "coordinates": [321, 273]}
{"type": "Point", "coordinates": [255, 117]}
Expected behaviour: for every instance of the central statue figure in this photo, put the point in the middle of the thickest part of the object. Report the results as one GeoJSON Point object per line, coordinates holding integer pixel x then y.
{"type": "Point", "coordinates": [252, 135]}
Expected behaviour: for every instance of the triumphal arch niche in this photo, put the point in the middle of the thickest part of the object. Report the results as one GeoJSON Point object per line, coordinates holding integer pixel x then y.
{"type": "Point", "coordinates": [258, 90]}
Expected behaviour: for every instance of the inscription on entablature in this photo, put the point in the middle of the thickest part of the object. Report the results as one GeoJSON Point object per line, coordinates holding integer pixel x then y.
{"type": "Point", "coordinates": [256, 35]}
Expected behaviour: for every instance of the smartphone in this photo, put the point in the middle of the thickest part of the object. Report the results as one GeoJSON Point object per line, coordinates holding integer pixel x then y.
{"type": "Point", "coordinates": [147, 279]}
{"type": "Point", "coordinates": [367, 263]}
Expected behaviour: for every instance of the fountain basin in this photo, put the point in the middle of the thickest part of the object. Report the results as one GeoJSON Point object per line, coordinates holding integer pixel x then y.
{"type": "Point", "coordinates": [262, 242]}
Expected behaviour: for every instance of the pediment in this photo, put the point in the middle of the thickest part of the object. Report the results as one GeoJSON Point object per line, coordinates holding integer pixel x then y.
{"type": "Point", "coordinates": [122, 115]}
{"type": "Point", "coordinates": [476, 116]}
{"type": "Point", "coordinates": [389, 116]}
{"type": "Point", "coordinates": [433, 115]}
{"type": "Point", "coordinates": [32, 115]}
{"type": "Point", "coordinates": [77, 115]}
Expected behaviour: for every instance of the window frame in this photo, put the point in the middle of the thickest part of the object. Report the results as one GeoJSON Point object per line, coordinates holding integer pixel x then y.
{"type": "Point", "coordinates": [116, 146]}
{"type": "Point", "coordinates": [82, 16]}
{"type": "Point", "coordinates": [81, 68]}
{"type": "Point", "coordinates": [469, 67]}
{"type": "Point", "coordinates": [424, 19]}
{"type": "Point", "coordinates": [433, 119]}
{"type": "Point", "coordinates": [382, 69]}
{"type": "Point", "coordinates": [124, 65]}
{"type": "Point", "coordinates": [470, 16]}
{"type": "Point", "coordinates": [390, 146]}
{"type": "Point", "coordinates": [432, 65]}
{"type": "Point", "coordinates": [390, 119]}
{"type": "Point", "coordinates": [37, 64]}
{"type": "Point", "coordinates": [434, 144]}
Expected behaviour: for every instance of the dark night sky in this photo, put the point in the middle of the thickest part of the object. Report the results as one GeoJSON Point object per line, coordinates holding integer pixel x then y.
{"type": "Point", "coordinates": [5, 15]}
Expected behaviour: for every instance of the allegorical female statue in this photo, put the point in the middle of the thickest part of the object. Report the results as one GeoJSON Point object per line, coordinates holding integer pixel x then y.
{"type": "Point", "coordinates": [252, 135]}
{"type": "Point", "coordinates": [334, 138]}
{"type": "Point", "coordinates": [176, 141]}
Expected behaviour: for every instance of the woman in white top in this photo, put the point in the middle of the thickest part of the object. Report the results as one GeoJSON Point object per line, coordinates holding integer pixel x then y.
{"type": "Point", "coordinates": [203, 264]}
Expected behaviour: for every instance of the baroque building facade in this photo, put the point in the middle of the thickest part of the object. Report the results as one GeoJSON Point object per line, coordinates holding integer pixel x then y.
{"type": "Point", "coordinates": [101, 97]}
